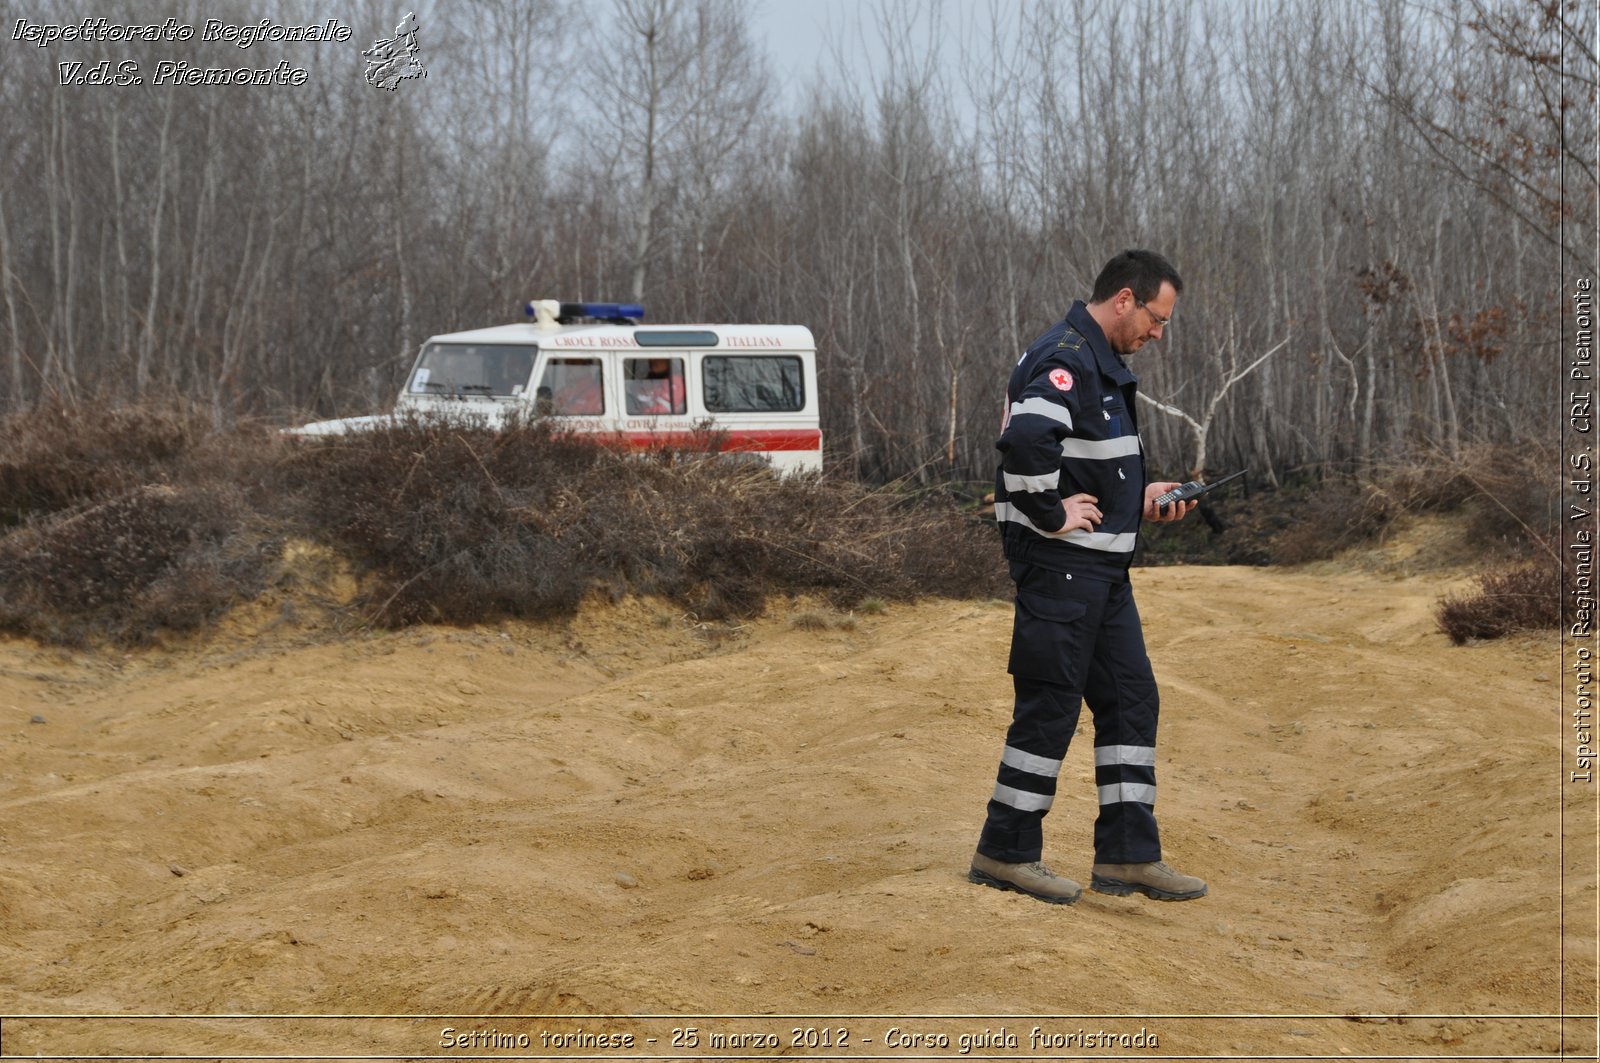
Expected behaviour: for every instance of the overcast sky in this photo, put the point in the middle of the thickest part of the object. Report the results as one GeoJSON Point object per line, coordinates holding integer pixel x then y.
{"type": "Point", "coordinates": [797, 35]}
{"type": "Point", "coordinates": [797, 32]}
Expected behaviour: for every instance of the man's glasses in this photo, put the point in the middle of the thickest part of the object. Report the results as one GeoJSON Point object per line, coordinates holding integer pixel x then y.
{"type": "Point", "coordinates": [1161, 322]}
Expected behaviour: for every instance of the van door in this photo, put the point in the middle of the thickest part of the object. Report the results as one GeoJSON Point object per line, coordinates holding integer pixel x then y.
{"type": "Point", "coordinates": [654, 385]}
{"type": "Point", "coordinates": [572, 385]}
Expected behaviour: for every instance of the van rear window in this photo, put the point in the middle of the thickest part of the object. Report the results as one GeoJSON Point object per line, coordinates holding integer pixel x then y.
{"type": "Point", "coordinates": [753, 384]}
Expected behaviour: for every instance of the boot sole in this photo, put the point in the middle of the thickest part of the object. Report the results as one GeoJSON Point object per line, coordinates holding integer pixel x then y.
{"type": "Point", "coordinates": [983, 879]}
{"type": "Point", "coordinates": [1118, 888]}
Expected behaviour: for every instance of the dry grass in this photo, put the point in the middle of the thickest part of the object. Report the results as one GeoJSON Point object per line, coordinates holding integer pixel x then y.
{"type": "Point", "coordinates": [122, 525]}
{"type": "Point", "coordinates": [1508, 509]}
{"type": "Point", "coordinates": [1507, 500]}
{"type": "Point", "coordinates": [126, 527]}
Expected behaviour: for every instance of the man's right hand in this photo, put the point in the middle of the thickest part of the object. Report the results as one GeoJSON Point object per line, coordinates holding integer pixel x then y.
{"type": "Point", "coordinates": [1081, 513]}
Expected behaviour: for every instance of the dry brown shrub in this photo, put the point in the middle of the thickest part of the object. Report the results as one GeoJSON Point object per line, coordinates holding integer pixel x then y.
{"type": "Point", "coordinates": [1525, 597]}
{"type": "Point", "coordinates": [57, 456]}
{"type": "Point", "coordinates": [125, 569]}
{"type": "Point", "coordinates": [1506, 498]}
{"type": "Point", "coordinates": [458, 524]}
{"type": "Point", "coordinates": [123, 523]}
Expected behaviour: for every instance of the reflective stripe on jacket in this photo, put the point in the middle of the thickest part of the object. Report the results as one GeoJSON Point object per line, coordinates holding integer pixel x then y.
{"type": "Point", "coordinates": [1070, 428]}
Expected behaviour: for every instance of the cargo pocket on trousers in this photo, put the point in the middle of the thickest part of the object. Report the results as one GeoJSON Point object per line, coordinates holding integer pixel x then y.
{"type": "Point", "coordinates": [1045, 639]}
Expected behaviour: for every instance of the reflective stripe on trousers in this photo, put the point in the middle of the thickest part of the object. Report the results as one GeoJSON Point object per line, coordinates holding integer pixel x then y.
{"type": "Point", "coordinates": [1075, 641]}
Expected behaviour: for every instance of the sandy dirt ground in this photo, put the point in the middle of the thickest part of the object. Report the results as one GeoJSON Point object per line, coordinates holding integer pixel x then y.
{"type": "Point", "coordinates": [704, 839]}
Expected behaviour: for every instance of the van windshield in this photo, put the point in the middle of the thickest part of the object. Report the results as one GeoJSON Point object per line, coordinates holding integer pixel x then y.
{"type": "Point", "coordinates": [462, 370]}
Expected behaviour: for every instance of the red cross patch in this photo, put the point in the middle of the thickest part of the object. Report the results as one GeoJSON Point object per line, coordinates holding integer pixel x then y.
{"type": "Point", "coordinates": [1061, 379]}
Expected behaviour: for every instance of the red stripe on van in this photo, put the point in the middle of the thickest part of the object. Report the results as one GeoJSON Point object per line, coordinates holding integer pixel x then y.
{"type": "Point", "coordinates": [749, 439]}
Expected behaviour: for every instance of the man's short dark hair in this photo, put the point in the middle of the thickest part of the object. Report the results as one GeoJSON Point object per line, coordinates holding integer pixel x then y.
{"type": "Point", "coordinates": [1140, 271]}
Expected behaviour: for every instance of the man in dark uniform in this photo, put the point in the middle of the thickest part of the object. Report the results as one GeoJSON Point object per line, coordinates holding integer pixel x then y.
{"type": "Point", "coordinates": [1069, 496]}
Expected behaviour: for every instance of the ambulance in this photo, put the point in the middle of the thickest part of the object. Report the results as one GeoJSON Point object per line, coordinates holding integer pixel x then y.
{"type": "Point", "coordinates": [598, 370]}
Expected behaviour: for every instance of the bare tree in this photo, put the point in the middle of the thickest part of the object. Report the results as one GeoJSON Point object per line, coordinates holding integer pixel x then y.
{"type": "Point", "coordinates": [684, 78]}
{"type": "Point", "coordinates": [1525, 103]}
{"type": "Point", "coordinates": [1201, 425]}
{"type": "Point", "coordinates": [1367, 192]}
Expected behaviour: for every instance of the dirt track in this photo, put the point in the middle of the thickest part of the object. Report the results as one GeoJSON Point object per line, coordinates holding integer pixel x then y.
{"type": "Point", "coordinates": [630, 817]}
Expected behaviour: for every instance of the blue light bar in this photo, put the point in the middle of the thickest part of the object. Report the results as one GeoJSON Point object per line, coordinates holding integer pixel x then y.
{"type": "Point", "coordinates": [604, 311]}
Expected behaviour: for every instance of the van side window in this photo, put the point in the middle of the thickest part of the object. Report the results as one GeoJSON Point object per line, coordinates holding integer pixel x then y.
{"type": "Point", "coordinates": [571, 387]}
{"type": "Point", "coordinates": [654, 386]}
{"type": "Point", "coordinates": [753, 384]}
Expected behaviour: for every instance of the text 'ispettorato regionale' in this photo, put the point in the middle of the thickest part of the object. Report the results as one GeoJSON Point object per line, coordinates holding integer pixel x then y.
{"type": "Point", "coordinates": [98, 30]}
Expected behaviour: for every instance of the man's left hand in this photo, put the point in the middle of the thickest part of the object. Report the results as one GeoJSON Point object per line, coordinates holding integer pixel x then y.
{"type": "Point", "coordinates": [1175, 510]}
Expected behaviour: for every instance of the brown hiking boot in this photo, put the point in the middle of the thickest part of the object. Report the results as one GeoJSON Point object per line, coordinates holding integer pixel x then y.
{"type": "Point", "coordinates": [1154, 879]}
{"type": "Point", "coordinates": [1034, 879]}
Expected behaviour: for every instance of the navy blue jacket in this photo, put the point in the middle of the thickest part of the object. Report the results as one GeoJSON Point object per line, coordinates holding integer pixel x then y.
{"type": "Point", "coordinates": [1070, 428]}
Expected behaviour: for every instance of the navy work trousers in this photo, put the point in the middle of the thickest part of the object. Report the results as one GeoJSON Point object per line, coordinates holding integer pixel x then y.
{"type": "Point", "coordinates": [1075, 640]}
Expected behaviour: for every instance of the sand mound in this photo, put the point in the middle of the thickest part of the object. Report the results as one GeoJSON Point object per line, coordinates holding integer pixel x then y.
{"type": "Point", "coordinates": [637, 815]}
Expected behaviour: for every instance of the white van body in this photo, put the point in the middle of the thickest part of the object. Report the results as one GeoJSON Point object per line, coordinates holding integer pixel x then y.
{"type": "Point", "coordinates": [751, 388]}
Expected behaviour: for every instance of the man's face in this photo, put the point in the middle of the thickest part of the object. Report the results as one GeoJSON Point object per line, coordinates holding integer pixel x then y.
{"type": "Point", "coordinates": [1138, 323]}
